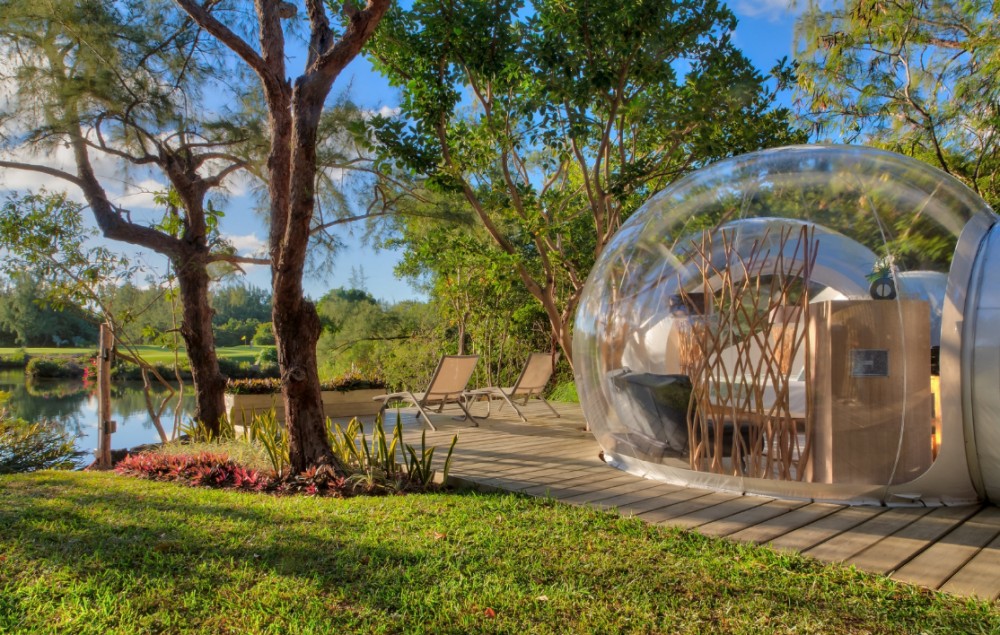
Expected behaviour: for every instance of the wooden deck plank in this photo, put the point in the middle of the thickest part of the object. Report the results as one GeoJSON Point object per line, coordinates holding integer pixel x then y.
{"type": "Point", "coordinates": [636, 484]}
{"type": "Point", "coordinates": [842, 547]}
{"type": "Point", "coordinates": [688, 506]}
{"type": "Point", "coordinates": [570, 490]}
{"type": "Point", "coordinates": [713, 513]}
{"type": "Point", "coordinates": [640, 502]}
{"type": "Point", "coordinates": [572, 476]}
{"type": "Point", "coordinates": [532, 452]}
{"type": "Point", "coordinates": [892, 552]}
{"type": "Point", "coordinates": [595, 481]}
{"type": "Point", "coordinates": [509, 466]}
{"type": "Point", "coordinates": [825, 528]}
{"type": "Point", "coordinates": [749, 518]}
{"type": "Point", "coordinates": [516, 482]}
{"type": "Point", "coordinates": [942, 560]}
{"type": "Point", "coordinates": [773, 528]}
{"type": "Point", "coordinates": [980, 577]}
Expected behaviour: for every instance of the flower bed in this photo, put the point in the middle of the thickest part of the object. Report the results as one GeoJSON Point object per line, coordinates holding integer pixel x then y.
{"type": "Point", "coordinates": [349, 395]}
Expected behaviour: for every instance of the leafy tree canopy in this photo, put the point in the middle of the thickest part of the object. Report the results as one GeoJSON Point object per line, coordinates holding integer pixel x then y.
{"type": "Point", "coordinates": [911, 76]}
{"type": "Point", "coordinates": [555, 120]}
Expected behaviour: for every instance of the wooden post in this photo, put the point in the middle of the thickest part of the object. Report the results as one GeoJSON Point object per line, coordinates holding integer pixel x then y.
{"type": "Point", "coordinates": [104, 424]}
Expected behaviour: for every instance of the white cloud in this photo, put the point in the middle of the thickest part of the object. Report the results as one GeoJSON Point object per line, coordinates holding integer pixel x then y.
{"type": "Point", "coordinates": [769, 9]}
{"type": "Point", "coordinates": [140, 195]}
{"type": "Point", "coordinates": [247, 245]}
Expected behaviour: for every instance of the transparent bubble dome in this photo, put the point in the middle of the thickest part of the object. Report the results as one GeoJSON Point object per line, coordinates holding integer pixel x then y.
{"type": "Point", "coordinates": [790, 323]}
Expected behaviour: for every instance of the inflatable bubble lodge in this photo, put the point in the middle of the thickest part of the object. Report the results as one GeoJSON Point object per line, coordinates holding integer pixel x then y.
{"type": "Point", "coordinates": [815, 322]}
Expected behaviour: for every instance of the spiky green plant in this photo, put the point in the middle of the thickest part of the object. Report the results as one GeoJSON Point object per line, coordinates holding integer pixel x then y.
{"type": "Point", "coordinates": [268, 433]}
{"type": "Point", "coordinates": [377, 465]}
{"type": "Point", "coordinates": [198, 432]}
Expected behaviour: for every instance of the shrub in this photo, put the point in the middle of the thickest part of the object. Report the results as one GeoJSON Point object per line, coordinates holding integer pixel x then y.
{"type": "Point", "coordinates": [209, 469]}
{"type": "Point", "coordinates": [56, 367]}
{"type": "Point", "coordinates": [267, 356]}
{"type": "Point", "coordinates": [265, 386]}
{"type": "Point", "coordinates": [26, 447]}
{"type": "Point", "coordinates": [235, 332]}
{"type": "Point", "coordinates": [198, 432]}
{"type": "Point", "coordinates": [264, 336]}
{"type": "Point", "coordinates": [244, 370]}
{"type": "Point", "coordinates": [16, 360]}
{"type": "Point", "coordinates": [56, 390]}
{"type": "Point", "coordinates": [565, 391]}
{"type": "Point", "coordinates": [368, 468]}
{"type": "Point", "coordinates": [259, 386]}
{"type": "Point", "coordinates": [127, 371]}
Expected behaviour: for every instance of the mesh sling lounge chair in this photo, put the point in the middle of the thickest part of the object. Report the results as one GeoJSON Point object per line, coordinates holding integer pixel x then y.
{"type": "Point", "coordinates": [531, 383]}
{"type": "Point", "coordinates": [447, 385]}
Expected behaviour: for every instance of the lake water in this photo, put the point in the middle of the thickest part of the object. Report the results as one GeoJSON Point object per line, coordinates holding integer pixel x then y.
{"type": "Point", "coordinates": [73, 405]}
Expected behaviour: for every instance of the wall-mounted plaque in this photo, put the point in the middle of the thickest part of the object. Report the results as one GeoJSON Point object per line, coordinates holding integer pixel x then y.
{"type": "Point", "coordinates": [869, 362]}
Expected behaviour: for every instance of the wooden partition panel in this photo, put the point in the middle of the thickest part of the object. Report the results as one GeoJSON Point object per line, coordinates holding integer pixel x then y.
{"type": "Point", "coordinates": [871, 378]}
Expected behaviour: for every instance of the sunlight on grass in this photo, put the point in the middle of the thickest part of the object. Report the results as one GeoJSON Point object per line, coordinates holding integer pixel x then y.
{"type": "Point", "coordinates": [97, 553]}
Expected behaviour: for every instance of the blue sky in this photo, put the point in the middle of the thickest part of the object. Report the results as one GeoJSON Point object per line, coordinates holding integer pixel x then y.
{"type": "Point", "coordinates": [764, 34]}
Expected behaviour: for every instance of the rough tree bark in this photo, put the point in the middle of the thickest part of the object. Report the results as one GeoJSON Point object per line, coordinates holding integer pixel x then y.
{"type": "Point", "coordinates": [293, 117]}
{"type": "Point", "coordinates": [199, 340]}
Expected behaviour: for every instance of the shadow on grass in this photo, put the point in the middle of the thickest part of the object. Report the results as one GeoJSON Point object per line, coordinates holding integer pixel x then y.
{"type": "Point", "coordinates": [428, 558]}
{"type": "Point", "coordinates": [155, 531]}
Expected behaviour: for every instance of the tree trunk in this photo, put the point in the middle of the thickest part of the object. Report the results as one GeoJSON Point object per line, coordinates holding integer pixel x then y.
{"type": "Point", "coordinates": [296, 324]}
{"type": "Point", "coordinates": [294, 109]}
{"type": "Point", "coordinates": [199, 340]}
{"type": "Point", "coordinates": [296, 333]}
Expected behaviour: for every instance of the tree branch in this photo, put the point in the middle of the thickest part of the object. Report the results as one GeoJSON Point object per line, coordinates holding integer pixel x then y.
{"type": "Point", "coordinates": [204, 18]}
{"type": "Point", "coordinates": [42, 169]}
{"type": "Point", "coordinates": [238, 260]}
{"type": "Point", "coordinates": [359, 29]}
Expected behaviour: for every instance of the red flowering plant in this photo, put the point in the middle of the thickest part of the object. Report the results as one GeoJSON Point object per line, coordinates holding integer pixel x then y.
{"type": "Point", "coordinates": [205, 469]}
{"type": "Point", "coordinates": [218, 470]}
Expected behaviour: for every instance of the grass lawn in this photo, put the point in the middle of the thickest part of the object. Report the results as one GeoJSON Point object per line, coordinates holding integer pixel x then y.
{"type": "Point", "coordinates": [152, 354]}
{"type": "Point", "coordinates": [99, 553]}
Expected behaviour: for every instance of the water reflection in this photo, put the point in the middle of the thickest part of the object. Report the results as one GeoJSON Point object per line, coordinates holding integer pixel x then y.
{"type": "Point", "coordinates": [73, 404]}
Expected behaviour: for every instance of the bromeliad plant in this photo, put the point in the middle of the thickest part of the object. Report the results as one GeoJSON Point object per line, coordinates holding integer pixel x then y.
{"type": "Point", "coordinates": [269, 434]}
{"type": "Point", "coordinates": [206, 469]}
{"type": "Point", "coordinates": [382, 465]}
{"type": "Point", "coordinates": [385, 465]}
{"type": "Point", "coordinates": [198, 432]}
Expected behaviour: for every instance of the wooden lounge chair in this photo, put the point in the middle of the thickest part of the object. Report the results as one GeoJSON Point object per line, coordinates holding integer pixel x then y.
{"type": "Point", "coordinates": [447, 385]}
{"type": "Point", "coordinates": [531, 383]}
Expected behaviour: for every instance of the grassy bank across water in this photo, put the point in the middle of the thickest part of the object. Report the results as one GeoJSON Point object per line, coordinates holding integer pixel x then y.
{"type": "Point", "coordinates": [151, 354]}
{"type": "Point", "coordinates": [100, 553]}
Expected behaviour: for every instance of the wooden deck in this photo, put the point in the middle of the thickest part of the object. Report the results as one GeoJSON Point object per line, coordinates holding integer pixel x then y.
{"type": "Point", "coordinates": [951, 549]}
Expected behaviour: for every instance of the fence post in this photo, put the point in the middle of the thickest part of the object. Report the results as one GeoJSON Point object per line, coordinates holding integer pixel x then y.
{"type": "Point", "coordinates": [105, 426]}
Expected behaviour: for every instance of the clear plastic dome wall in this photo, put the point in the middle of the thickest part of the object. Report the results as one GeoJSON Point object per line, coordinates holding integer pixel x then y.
{"type": "Point", "coordinates": [789, 323]}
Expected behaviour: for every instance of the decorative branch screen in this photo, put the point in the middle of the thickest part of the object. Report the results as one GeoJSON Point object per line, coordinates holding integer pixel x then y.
{"type": "Point", "coordinates": [739, 355]}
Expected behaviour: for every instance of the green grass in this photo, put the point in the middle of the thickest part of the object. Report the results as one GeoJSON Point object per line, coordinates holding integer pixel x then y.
{"type": "Point", "coordinates": [565, 391]}
{"type": "Point", "coordinates": [98, 553]}
{"type": "Point", "coordinates": [152, 354]}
